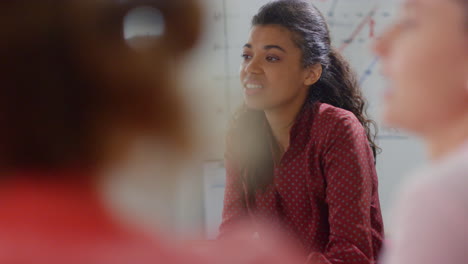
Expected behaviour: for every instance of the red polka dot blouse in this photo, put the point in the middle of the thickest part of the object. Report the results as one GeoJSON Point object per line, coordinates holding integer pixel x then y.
{"type": "Point", "coordinates": [325, 190]}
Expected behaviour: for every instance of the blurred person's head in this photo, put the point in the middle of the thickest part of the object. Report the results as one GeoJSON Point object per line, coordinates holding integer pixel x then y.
{"type": "Point", "coordinates": [425, 56]}
{"type": "Point", "coordinates": [74, 93]}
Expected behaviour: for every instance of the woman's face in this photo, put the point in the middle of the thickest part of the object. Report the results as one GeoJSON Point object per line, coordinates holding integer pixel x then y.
{"type": "Point", "coordinates": [425, 57]}
{"type": "Point", "coordinates": [271, 72]}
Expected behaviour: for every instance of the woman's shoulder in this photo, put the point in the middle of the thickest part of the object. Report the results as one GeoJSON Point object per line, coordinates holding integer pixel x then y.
{"type": "Point", "coordinates": [332, 120]}
{"type": "Point", "coordinates": [327, 112]}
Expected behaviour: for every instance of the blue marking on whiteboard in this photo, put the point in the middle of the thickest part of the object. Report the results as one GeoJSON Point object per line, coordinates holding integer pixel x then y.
{"type": "Point", "coordinates": [368, 71]}
{"type": "Point", "coordinates": [332, 9]}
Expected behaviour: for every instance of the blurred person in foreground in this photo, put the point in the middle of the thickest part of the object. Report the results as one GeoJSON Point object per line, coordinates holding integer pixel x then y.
{"type": "Point", "coordinates": [425, 57]}
{"type": "Point", "coordinates": [74, 98]}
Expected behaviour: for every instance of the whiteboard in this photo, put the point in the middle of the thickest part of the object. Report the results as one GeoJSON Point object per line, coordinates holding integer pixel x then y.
{"type": "Point", "coordinates": [354, 25]}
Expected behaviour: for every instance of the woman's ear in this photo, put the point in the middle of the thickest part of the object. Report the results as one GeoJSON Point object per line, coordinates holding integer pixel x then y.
{"type": "Point", "coordinates": [313, 74]}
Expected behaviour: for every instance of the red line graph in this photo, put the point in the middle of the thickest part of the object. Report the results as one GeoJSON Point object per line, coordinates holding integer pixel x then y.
{"type": "Point", "coordinates": [372, 28]}
{"type": "Point", "coordinates": [359, 28]}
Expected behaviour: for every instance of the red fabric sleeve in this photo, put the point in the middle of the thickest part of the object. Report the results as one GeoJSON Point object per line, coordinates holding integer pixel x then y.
{"type": "Point", "coordinates": [349, 170]}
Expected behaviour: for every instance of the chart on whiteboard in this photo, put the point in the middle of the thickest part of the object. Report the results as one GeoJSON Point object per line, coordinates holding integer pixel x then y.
{"type": "Point", "coordinates": [354, 25]}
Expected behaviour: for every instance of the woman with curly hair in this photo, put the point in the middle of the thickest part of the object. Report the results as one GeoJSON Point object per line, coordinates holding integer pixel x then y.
{"type": "Point", "coordinates": [301, 152]}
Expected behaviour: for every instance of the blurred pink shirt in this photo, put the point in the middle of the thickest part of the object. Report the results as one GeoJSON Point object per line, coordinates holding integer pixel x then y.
{"type": "Point", "coordinates": [431, 217]}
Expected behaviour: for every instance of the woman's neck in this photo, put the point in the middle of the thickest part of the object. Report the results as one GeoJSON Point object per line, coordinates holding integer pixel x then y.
{"type": "Point", "coordinates": [448, 139]}
{"type": "Point", "coordinates": [281, 120]}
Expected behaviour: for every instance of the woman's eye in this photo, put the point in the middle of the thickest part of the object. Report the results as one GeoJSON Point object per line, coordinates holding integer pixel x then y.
{"type": "Point", "coordinates": [272, 59]}
{"type": "Point", "coordinates": [246, 56]}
